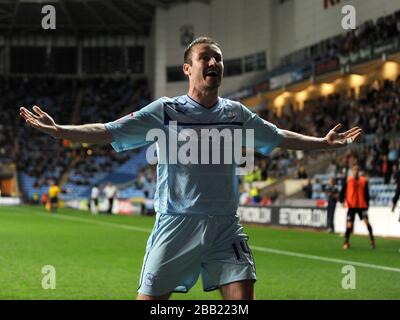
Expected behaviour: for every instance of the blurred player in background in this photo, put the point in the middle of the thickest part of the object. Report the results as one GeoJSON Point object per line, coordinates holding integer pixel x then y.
{"type": "Point", "coordinates": [54, 191]}
{"type": "Point", "coordinates": [197, 229]}
{"type": "Point", "coordinates": [396, 181]}
{"type": "Point", "coordinates": [110, 191]}
{"type": "Point", "coordinates": [94, 199]}
{"type": "Point", "coordinates": [332, 195]}
{"type": "Point", "coordinates": [355, 192]}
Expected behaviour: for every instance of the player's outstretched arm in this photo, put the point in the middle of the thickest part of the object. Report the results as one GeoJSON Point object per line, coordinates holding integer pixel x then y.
{"type": "Point", "coordinates": [334, 139]}
{"type": "Point", "coordinates": [95, 133]}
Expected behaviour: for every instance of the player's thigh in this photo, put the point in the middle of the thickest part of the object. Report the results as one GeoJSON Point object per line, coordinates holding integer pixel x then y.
{"type": "Point", "coordinates": [239, 290]}
{"type": "Point", "coordinates": [230, 259]}
{"type": "Point", "coordinates": [173, 256]}
{"type": "Point", "coordinates": [351, 215]}
{"type": "Point", "coordinates": [359, 213]}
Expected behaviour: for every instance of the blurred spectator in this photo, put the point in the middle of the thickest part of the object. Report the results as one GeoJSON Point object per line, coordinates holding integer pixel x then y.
{"type": "Point", "coordinates": [94, 199]}
{"type": "Point", "coordinates": [255, 195]}
{"type": "Point", "coordinates": [316, 189]}
{"type": "Point", "coordinates": [274, 195]}
{"type": "Point", "coordinates": [265, 201]}
{"type": "Point", "coordinates": [301, 172]}
{"type": "Point", "coordinates": [44, 198]}
{"type": "Point", "coordinates": [332, 169]}
{"type": "Point", "coordinates": [332, 195]}
{"type": "Point", "coordinates": [385, 168]}
{"type": "Point", "coordinates": [110, 191]}
{"type": "Point", "coordinates": [35, 198]}
{"type": "Point", "coordinates": [307, 189]}
{"type": "Point", "coordinates": [45, 159]}
{"type": "Point", "coordinates": [396, 181]}
{"type": "Point", "coordinates": [395, 175]}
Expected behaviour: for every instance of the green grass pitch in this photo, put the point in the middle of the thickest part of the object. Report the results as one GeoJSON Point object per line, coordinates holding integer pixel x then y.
{"type": "Point", "coordinates": [99, 257]}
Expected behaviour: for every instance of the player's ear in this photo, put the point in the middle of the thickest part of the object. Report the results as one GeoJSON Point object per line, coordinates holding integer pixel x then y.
{"type": "Point", "coordinates": [186, 68]}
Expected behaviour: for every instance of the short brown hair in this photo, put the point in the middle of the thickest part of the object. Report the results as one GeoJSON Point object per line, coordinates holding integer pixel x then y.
{"type": "Point", "coordinates": [187, 57]}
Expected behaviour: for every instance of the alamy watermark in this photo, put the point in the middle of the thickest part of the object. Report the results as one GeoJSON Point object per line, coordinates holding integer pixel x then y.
{"type": "Point", "coordinates": [49, 278]}
{"type": "Point", "coordinates": [349, 280]}
{"type": "Point", "coordinates": [349, 20]}
{"type": "Point", "coordinates": [49, 20]}
{"type": "Point", "coordinates": [190, 146]}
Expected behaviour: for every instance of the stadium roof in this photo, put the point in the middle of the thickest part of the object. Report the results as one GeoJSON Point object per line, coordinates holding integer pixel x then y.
{"type": "Point", "coordinates": [82, 17]}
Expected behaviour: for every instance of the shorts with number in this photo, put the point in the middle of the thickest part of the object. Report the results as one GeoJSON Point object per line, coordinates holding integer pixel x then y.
{"type": "Point", "coordinates": [351, 214]}
{"type": "Point", "coordinates": [183, 247]}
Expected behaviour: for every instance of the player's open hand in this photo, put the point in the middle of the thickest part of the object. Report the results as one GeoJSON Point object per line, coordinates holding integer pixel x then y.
{"type": "Point", "coordinates": [336, 139]}
{"type": "Point", "coordinates": [39, 120]}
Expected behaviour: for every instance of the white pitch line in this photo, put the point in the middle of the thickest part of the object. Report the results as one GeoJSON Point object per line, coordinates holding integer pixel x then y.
{"type": "Point", "coordinates": [100, 223]}
{"type": "Point", "coordinates": [256, 248]}
{"type": "Point", "coordinates": [311, 257]}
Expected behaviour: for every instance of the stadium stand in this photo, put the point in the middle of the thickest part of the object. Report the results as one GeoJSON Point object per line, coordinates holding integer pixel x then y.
{"type": "Point", "coordinates": [331, 53]}
{"type": "Point", "coordinates": [40, 159]}
{"type": "Point", "coordinates": [376, 110]}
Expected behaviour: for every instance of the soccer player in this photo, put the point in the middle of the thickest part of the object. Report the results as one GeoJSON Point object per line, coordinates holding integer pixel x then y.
{"type": "Point", "coordinates": [110, 192]}
{"type": "Point", "coordinates": [197, 230]}
{"type": "Point", "coordinates": [332, 195]}
{"type": "Point", "coordinates": [396, 180]}
{"type": "Point", "coordinates": [54, 191]}
{"type": "Point", "coordinates": [94, 199]}
{"type": "Point", "coordinates": [355, 192]}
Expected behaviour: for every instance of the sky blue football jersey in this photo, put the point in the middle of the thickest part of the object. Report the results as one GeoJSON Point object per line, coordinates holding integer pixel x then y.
{"type": "Point", "coordinates": [203, 186]}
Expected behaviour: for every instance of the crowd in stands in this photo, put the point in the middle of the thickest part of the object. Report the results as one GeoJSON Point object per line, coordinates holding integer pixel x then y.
{"type": "Point", "coordinates": [146, 181]}
{"type": "Point", "coordinates": [304, 61]}
{"type": "Point", "coordinates": [107, 99]}
{"type": "Point", "coordinates": [376, 111]}
{"type": "Point", "coordinates": [374, 160]}
{"type": "Point", "coordinates": [94, 160]}
{"type": "Point", "coordinates": [369, 32]}
{"type": "Point", "coordinates": [35, 154]}
{"type": "Point", "coordinates": [40, 156]}
{"type": "Point", "coordinates": [366, 34]}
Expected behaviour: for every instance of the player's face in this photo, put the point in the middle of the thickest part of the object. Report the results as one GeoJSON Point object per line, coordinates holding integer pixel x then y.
{"type": "Point", "coordinates": [356, 171]}
{"type": "Point", "coordinates": [207, 67]}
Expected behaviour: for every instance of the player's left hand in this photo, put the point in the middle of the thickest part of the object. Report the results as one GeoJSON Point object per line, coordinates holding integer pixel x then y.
{"type": "Point", "coordinates": [336, 139]}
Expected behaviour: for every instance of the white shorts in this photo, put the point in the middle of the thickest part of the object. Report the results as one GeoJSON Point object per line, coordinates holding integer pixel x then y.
{"type": "Point", "coordinates": [183, 247]}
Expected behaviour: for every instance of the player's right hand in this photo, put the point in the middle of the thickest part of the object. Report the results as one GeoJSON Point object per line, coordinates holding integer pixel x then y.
{"type": "Point", "coordinates": [39, 120]}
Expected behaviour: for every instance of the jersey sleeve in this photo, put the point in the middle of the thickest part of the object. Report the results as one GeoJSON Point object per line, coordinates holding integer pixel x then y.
{"type": "Point", "coordinates": [129, 132]}
{"type": "Point", "coordinates": [267, 136]}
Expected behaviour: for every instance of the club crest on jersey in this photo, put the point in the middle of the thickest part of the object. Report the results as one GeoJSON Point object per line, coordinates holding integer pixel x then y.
{"type": "Point", "coordinates": [229, 112]}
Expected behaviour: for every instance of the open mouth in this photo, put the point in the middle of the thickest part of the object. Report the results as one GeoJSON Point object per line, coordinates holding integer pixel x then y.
{"type": "Point", "coordinates": [212, 73]}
